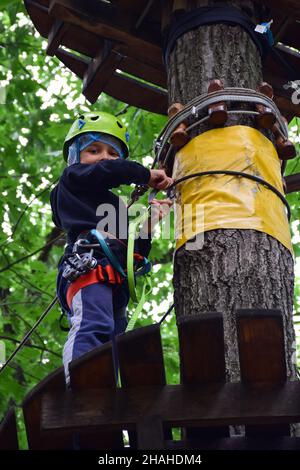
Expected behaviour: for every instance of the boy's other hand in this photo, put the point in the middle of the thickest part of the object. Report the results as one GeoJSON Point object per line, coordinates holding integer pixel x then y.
{"type": "Point", "coordinates": [160, 208]}
{"type": "Point", "coordinates": [159, 179]}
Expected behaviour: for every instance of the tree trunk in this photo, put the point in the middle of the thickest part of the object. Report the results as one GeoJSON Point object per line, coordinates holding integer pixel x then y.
{"type": "Point", "coordinates": [235, 268]}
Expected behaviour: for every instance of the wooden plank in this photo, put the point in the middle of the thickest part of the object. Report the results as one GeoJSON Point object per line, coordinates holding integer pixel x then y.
{"type": "Point", "coordinates": [141, 69]}
{"type": "Point", "coordinates": [55, 36]}
{"type": "Point", "coordinates": [177, 405]}
{"type": "Point", "coordinates": [141, 364]}
{"type": "Point", "coordinates": [100, 70]}
{"type": "Point", "coordinates": [293, 183]}
{"type": "Point", "coordinates": [150, 433]}
{"type": "Point", "coordinates": [292, 57]}
{"type": "Point", "coordinates": [201, 348]}
{"type": "Point", "coordinates": [79, 65]}
{"type": "Point", "coordinates": [291, 35]}
{"type": "Point", "coordinates": [32, 414]}
{"type": "Point", "coordinates": [166, 15]}
{"type": "Point", "coordinates": [76, 64]}
{"type": "Point", "coordinates": [288, 7]}
{"type": "Point", "coordinates": [287, 107]}
{"type": "Point", "coordinates": [8, 431]}
{"type": "Point", "coordinates": [261, 345]}
{"type": "Point", "coordinates": [74, 38]}
{"type": "Point", "coordinates": [114, 28]}
{"type": "Point", "coordinates": [138, 94]}
{"type": "Point", "coordinates": [39, 16]}
{"type": "Point", "coordinates": [141, 357]}
{"type": "Point", "coordinates": [95, 370]}
{"type": "Point", "coordinates": [262, 355]}
{"type": "Point", "coordinates": [202, 361]}
{"type": "Point", "coordinates": [237, 443]}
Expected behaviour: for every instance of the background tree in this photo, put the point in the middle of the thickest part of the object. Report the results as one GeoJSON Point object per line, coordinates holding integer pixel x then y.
{"type": "Point", "coordinates": [41, 100]}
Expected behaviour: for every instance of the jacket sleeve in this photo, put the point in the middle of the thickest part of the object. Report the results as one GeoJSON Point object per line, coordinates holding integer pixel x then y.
{"type": "Point", "coordinates": [53, 202]}
{"type": "Point", "coordinates": [105, 175]}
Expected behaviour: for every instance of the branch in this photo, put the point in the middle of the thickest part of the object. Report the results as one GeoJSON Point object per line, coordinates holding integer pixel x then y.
{"type": "Point", "coordinates": [53, 238]}
{"type": "Point", "coordinates": [30, 254]}
{"type": "Point", "coordinates": [34, 346]}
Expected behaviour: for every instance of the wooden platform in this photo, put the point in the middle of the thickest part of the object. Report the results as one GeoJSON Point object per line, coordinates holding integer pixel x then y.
{"type": "Point", "coordinates": [95, 412]}
{"type": "Point", "coordinates": [116, 47]}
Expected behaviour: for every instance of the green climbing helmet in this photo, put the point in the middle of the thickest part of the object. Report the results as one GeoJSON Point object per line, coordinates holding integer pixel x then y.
{"type": "Point", "coordinates": [97, 122]}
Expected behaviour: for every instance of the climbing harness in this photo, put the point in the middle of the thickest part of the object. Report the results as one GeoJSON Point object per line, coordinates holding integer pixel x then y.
{"type": "Point", "coordinates": [83, 269]}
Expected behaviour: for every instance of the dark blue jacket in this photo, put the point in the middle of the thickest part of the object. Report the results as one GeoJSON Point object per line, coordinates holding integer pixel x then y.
{"type": "Point", "coordinates": [82, 188]}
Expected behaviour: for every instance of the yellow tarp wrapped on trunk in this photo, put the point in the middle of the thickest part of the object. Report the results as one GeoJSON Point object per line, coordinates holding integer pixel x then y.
{"type": "Point", "coordinates": [228, 201]}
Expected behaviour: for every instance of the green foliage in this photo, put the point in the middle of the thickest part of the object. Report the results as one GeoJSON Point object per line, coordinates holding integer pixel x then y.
{"type": "Point", "coordinates": [42, 99]}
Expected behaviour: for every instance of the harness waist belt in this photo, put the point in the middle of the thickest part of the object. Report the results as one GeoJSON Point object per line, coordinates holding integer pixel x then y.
{"type": "Point", "coordinates": [105, 274]}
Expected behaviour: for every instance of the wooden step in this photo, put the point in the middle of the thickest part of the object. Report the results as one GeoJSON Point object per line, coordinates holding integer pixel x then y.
{"type": "Point", "coordinates": [262, 356]}
{"type": "Point", "coordinates": [32, 415]}
{"type": "Point", "coordinates": [95, 370]}
{"type": "Point", "coordinates": [142, 364]}
{"type": "Point", "coordinates": [202, 361]}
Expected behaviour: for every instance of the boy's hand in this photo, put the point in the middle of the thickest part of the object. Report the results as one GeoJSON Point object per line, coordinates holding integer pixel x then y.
{"type": "Point", "coordinates": [160, 208]}
{"type": "Point", "coordinates": [159, 179]}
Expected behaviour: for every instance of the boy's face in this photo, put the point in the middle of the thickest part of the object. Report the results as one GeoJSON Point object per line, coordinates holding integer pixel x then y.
{"type": "Point", "coordinates": [96, 152]}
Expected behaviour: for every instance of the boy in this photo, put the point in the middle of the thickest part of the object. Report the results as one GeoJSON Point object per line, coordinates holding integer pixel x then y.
{"type": "Point", "coordinates": [96, 150]}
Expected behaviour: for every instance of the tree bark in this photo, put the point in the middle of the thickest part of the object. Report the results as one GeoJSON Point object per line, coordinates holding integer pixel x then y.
{"type": "Point", "coordinates": [235, 268]}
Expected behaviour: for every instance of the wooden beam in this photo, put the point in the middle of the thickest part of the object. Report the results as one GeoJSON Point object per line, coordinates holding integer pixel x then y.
{"type": "Point", "coordinates": [135, 93]}
{"type": "Point", "coordinates": [177, 405]}
{"type": "Point", "coordinates": [237, 443]}
{"type": "Point", "coordinates": [8, 431]}
{"type": "Point", "coordinates": [55, 36]}
{"type": "Point", "coordinates": [113, 28]}
{"type": "Point", "coordinates": [141, 70]}
{"type": "Point", "coordinates": [74, 38]}
{"type": "Point", "coordinates": [76, 64]}
{"type": "Point", "coordinates": [289, 7]}
{"type": "Point", "coordinates": [100, 70]}
{"type": "Point", "coordinates": [120, 86]}
{"type": "Point", "coordinates": [291, 35]}
{"type": "Point", "coordinates": [293, 183]}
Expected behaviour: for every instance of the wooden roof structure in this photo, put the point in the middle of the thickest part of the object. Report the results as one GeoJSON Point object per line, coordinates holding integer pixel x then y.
{"type": "Point", "coordinates": [93, 413]}
{"type": "Point", "coordinates": [116, 46]}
